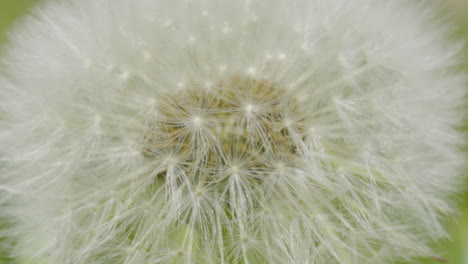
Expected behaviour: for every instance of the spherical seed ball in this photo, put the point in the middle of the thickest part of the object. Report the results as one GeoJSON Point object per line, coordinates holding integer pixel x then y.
{"type": "Point", "coordinates": [251, 131]}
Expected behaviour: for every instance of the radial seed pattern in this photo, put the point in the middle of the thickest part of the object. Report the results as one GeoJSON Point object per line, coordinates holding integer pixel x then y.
{"type": "Point", "coordinates": [227, 132]}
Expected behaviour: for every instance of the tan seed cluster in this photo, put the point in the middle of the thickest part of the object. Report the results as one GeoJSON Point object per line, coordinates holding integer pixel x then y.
{"type": "Point", "coordinates": [239, 124]}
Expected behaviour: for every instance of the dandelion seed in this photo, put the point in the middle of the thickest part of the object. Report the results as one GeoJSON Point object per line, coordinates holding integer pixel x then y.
{"type": "Point", "coordinates": [250, 131]}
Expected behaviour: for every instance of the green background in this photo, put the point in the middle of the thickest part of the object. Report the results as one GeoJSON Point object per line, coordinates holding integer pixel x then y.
{"type": "Point", "coordinates": [455, 250]}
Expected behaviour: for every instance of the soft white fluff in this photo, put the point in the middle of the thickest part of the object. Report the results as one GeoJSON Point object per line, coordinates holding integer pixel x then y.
{"type": "Point", "coordinates": [354, 132]}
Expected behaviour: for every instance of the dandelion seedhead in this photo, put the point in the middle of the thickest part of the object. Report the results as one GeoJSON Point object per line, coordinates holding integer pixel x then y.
{"type": "Point", "coordinates": [225, 132]}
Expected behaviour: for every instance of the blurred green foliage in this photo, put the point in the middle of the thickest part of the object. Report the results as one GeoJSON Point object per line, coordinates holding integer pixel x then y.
{"type": "Point", "coordinates": [10, 10]}
{"type": "Point", "coordinates": [455, 251]}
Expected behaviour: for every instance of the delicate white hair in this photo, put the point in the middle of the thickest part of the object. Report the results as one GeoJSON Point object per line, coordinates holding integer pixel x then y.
{"type": "Point", "coordinates": [223, 131]}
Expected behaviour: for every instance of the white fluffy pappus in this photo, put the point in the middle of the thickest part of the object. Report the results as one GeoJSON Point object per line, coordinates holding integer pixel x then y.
{"type": "Point", "coordinates": [250, 131]}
